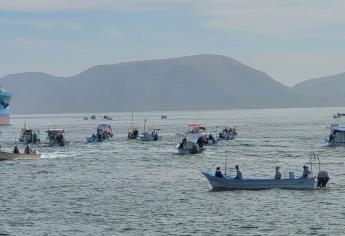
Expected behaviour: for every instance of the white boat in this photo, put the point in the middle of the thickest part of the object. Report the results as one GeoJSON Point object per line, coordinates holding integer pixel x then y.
{"type": "Point", "coordinates": [336, 136]}
{"type": "Point", "coordinates": [230, 183]}
{"type": "Point", "coordinates": [190, 143]}
{"type": "Point", "coordinates": [8, 156]}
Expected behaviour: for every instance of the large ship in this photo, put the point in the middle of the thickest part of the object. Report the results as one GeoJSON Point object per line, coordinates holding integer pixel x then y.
{"type": "Point", "coordinates": [5, 98]}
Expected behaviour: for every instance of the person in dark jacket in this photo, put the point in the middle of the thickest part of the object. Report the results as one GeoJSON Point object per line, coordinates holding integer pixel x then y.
{"type": "Point", "coordinates": [218, 173]}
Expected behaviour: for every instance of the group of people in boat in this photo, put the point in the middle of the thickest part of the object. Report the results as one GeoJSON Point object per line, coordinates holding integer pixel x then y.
{"type": "Point", "coordinates": [228, 133]}
{"type": "Point", "coordinates": [278, 174]}
{"type": "Point", "coordinates": [56, 138]}
{"type": "Point", "coordinates": [29, 136]}
{"type": "Point", "coordinates": [133, 134]}
{"type": "Point", "coordinates": [219, 173]}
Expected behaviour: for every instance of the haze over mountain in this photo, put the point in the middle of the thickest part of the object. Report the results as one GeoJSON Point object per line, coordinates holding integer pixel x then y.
{"type": "Point", "coordinates": [191, 82]}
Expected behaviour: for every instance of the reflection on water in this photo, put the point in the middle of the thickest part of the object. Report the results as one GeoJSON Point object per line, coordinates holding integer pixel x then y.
{"type": "Point", "coordinates": [135, 188]}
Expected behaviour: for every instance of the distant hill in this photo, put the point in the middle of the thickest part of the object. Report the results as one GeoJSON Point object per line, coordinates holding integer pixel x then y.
{"type": "Point", "coordinates": [191, 82]}
{"type": "Point", "coordinates": [324, 91]}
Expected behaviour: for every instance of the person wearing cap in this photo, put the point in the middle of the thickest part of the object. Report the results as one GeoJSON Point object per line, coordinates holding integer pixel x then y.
{"type": "Point", "coordinates": [306, 172]}
{"type": "Point", "coordinates": [238, 172]}
{"type": "Point", "coordinates": [218, 173]}
{"type": "Point", "coordinates": [278, 174]}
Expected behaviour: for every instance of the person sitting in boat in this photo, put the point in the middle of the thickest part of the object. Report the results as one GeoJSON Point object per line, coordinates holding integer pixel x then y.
{"type": "Point", "coordinates": [306, 172]}
{"type": "Point", "coordinates": [238, 172]}
{"type": "Point", "coordinates": [331, 138]}
{"type": "Point", "coordinates": [218, 173]}
{"type": "Point", "coordinates": [27, 150]}
{"type": "Point", "coordinates": [16, 150]}
{"type": "Point", "coordinates": [278, 174]}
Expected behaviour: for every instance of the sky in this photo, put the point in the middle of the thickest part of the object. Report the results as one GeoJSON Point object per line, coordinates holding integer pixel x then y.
{"type": "Point", "coordinates": [290, 40]}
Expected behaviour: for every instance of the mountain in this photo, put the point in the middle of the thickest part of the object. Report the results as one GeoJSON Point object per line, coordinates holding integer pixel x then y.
{"type": "Point", "coordinates": [191, 82]}
{"type": "Point", "coordinates": [324, 91]}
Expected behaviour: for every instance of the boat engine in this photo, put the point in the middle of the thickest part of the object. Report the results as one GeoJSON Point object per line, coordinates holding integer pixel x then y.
{"type": "Point", "coordinates": [322, 179]}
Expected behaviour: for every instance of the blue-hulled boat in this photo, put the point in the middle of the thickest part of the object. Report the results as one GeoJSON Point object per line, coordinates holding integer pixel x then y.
{"type": "Point", "coordinates": [230, 183]}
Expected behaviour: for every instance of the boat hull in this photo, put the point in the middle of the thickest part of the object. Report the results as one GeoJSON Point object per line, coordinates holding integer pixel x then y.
{"type": "Point", "coordinates": [229, 183]}
{"type": "Point", "coordinates": [7, 156]}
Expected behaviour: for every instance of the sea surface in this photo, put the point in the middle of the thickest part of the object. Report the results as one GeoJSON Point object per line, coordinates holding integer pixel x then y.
{"type": "Point", "coordinates": [128, 187]}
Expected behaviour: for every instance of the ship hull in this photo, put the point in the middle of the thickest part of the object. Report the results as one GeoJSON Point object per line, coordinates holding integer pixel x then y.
{"type": "Point", "coordinates": [4, 116]}
{"type": "Point", "coordinates": [5, 98]}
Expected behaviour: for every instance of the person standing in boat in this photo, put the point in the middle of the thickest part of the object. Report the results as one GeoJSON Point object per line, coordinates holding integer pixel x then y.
{"type": "Point", "coordinates": [238, 172]}
{"type": "Point", "coordinates": [278, 174]}
{"type": "Point", "coordinates": [27, 150]}
{"type": "Point", "coordinates": [218, 173]}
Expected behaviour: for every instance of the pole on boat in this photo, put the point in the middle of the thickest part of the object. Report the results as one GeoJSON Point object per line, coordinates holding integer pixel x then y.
{"type": "Point", "coordinates": [226, 161]}
{"type": "Point", "coordinates": [132, 123]}
{"type": "Point", "coordinates": [145, 125]}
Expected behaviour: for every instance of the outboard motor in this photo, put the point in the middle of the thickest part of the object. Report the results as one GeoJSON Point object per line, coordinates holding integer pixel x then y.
{"type": "Point", "coordinates": [322, 179]}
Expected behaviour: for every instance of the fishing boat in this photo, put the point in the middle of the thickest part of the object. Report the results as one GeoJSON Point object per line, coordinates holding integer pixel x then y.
{"type": "Point", "coordinates": [132, 132]}
{"type": "Point", "coordinates": [104, 132]}
{"type": "Point", "coordinates": [56, 137]}
{"type": "Point", "coordinates": [29, 136]}
{"type": "Point", "coordinates": [189, 145]}
{"type": "Point", "coordinates": [228, 133]}
{"type": "Point", "coordinates": [338, 115]}
{"type": "Point", "coordinates": [191, 141]}
{"type": "Point", "coordinates": [153, 134]}
{"type": "Point", "coordinates": [336, 136]}
{"type": "Point", "coordinates": [28, 154]}
{"type": "Point", "coordinates": [164, 116]}
{"type": "Point", "coordinates": [106, 117]}
{"type": "Point", "coordinates": [226, 182]}
{"type": "Point", "coordinates": [8, 156]}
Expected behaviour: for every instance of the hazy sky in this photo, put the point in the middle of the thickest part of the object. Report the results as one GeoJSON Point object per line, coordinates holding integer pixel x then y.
{"type": "Point", "coordinates": [291, 40]}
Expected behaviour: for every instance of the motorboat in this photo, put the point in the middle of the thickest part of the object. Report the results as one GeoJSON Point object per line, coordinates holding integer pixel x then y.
{"type": "Point", "coordinates": [228, 133]}
{"type": "Point", "coordinates": [338, 115]}
{"type": "Point", "coordinates": [133, 132]}
{"type": "Point", "coordinates": [7, 156]}
{"type": "Point", "coordinates": [104, 132]}
{"type": "Point", "coordinates": [230, 183]}
{"type": "Point", "coordinates": [153, 134]}
{"type": "Point", "coordinates": [56, 137]}
{"type": "Point", "coordinates": [189, 145]}
{"type": "Point", "coordinates": [308, 181]}
{"type": "Point", "coordinates": [29, 136]}
{"type": "Point", "coordinates": [106, 117]}
{"type": "Point", "coordinates": [93, 117]}
{"type": "Point", "coordinates": [28, 154]}
{"type": "Point", "coordinates": [164, 116]}
{"type": "Point", "coordinates": [336, 136]}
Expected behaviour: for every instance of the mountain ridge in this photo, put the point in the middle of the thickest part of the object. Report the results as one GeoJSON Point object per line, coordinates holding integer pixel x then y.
{"type": "Point", "coordinates": [202, 81]}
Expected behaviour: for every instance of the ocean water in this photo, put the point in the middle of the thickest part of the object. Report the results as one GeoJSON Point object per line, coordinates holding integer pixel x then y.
{"type": "Point", "coordinates": [127, 187]}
